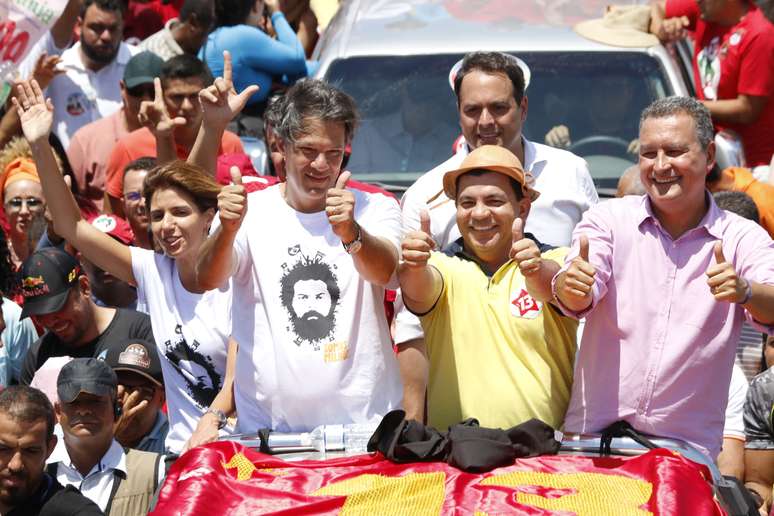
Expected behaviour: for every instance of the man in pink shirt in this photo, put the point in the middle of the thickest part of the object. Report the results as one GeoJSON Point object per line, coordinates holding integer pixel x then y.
{"type": "Point", "coordinates": [665, 281]}
{"type": "Point", "coordinates": [92, 144]}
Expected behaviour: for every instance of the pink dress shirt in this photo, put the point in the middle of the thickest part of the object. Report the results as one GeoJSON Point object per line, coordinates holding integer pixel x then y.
{"type": "Point", "coordinates": [657, 349]}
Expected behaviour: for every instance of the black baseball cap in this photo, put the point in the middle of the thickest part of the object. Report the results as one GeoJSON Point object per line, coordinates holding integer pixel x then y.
{"type": "Point", "coordinates": [46, 279]}
{"type": "Point", "coordinates": [142, 68]}
{"type": "Point", "coordinates": [89, 375]}
{"type": "Point", "coordinates": [138, 356]}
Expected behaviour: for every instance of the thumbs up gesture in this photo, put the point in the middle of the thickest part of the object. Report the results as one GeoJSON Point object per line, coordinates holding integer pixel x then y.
{"type": "Point", "coordinates": [417, 245]}
{"type": "Point", "coordinates": [232, 202]}
{"type": "Point", "coordinates": [524, 251]}
{"type": "Point", "coordinates": [722, 279]}
{"type": "Point", "coordinates": [340, 208]}
{"type": "Point", "coordinates": [574, 285]}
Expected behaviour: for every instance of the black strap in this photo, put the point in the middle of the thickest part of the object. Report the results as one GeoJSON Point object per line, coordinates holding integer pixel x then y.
{"type": "Point", "coordinates": [52, 469]}
{"type": "Point", "coordinates": [117, 478]}
{"type": "Point", "coordinates": [622, 429]}
{"type": "Point", "coordinates": [263, 435]}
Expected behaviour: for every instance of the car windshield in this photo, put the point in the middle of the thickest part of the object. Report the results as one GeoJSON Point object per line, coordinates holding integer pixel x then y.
{"type": "Point", "coordinates": [409, 113]}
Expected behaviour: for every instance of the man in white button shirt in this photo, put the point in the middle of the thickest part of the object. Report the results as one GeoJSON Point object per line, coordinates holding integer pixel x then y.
{"type": "Point", "coordinates": [89, 88]}
{"type": "Point", "coordinates": [89, 458]}
{"type": "Point", "coordinates": [492, 105]}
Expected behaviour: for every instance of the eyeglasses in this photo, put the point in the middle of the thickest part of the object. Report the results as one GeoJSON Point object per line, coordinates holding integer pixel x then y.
{"type": "Point", "coordinates": [33, 203]}
{"type": "Point", "coordinates": [133, 196]}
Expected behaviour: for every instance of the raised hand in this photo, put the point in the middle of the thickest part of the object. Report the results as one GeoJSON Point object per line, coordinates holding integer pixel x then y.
{"type": "Point", "coordinates": [524, 251]}
{"type": "Point", "coordinates": [722, 279]}
{"type": "Point", "coordinates": [220, 102]}
{"type": "Point", "coordinates": [155, 116]}
{"type": "Point", "coordinates": [417, 245]}
{"type": "Point", "coordinates": [340, 208]}
{"type": "Point", "coordinates": [574, 285]}
{"type": "Point", "coordinates": [232, 203]}
{"type": "Point", "coordinates": [131, 406]}
{"type": "Point", "coordinates": [558, 136]}
{"type": "Point", "coordinates": [672, 29]}
{"type": "Point", "coordinates": [45, 69]}
{"type": "Point", "coordinates": [35, 111]}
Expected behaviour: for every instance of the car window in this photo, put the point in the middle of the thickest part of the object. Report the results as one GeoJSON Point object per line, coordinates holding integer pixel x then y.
{"type": "Point", "coordinates": [409, 113]}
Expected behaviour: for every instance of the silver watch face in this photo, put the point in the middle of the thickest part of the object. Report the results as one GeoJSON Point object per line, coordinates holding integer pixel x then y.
{"type": "Point", "coordinates": [354, 247]}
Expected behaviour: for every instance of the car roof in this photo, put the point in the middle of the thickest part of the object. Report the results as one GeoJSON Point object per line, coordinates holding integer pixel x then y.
{"type": "Point", "coordinates": [416, 27]}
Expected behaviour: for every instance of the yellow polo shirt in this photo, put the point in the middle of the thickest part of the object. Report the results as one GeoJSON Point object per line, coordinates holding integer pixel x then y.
{"type": "Point", "coordinates": [496, 354]}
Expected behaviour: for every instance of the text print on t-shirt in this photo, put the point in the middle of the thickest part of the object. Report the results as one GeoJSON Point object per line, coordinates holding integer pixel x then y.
{"type": "Point", "coordinates": [310, 295]}
{"type": "Point", "coordinates": [202, 381]}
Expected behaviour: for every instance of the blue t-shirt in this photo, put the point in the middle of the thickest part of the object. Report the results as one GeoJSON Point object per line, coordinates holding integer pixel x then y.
{"type": "Point", "coordinates": [17, 338]}
{"type": "Point", "coordinates": [256, 57]}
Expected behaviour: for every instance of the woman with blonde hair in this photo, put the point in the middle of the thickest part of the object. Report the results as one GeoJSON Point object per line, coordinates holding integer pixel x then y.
{"type": "Point", "coordinates": [191, 326]}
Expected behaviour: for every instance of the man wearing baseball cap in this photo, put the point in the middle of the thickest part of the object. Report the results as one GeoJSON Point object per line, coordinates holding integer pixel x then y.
{"type": "Point", "coordinates": [89, 458]}
{"type": "Point", "coordinates": [57, 295]}
{"type": "Point", "coordinates": [91, 145]}
{"type": "Point", "coordinates": [142, 426]}
{"type": "Point", "coordinates": [485, 303]}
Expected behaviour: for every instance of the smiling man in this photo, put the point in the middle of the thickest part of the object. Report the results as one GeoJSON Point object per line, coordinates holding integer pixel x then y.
{"type": "Point", "coordinates": [322, 354]}
{"type": "Point", "coordinates": [119, 482]}
{"type": "Point", "coordinates": [498, 350]}
{"type": "Point", "coordinates": [665, 282]}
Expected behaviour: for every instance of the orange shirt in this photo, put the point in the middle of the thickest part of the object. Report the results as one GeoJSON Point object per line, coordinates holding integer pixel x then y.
{"type": "Point", "coordinates": [737, 179]}
{"type": "Point", "coordinates": [141, 143]}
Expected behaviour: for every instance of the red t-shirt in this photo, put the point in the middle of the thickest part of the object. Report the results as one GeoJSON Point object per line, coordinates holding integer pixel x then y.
{"type": "Point", "coordinates": [729, 61]}
{"type": "Point", "coordinates": [141, 143]}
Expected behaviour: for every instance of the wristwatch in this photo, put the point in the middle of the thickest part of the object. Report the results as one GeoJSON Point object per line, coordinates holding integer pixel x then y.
{"type": "Point", "coordinates": [354, 246]}
{"type": "Point", "coordinates": [222, 419]}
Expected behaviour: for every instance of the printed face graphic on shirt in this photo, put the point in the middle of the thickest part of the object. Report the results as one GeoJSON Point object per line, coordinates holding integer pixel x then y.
{"type": "Point", "coordinates": [310, 294]}
{"type": "Point", "coordinates": [203, 382]}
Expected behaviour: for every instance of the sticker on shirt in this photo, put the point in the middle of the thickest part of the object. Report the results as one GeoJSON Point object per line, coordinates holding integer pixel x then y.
{"type": "Point", "coordinates": [310, 296]}
{"type": "Point", "coordinates": [77, 104]}
{"type": "Point", "coordinates": [202, 380]}
{"type": "Point", "coordinates": [525, 306]}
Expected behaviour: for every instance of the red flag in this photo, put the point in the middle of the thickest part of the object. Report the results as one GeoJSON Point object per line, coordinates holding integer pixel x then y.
{"type": "Point", "coordinates": [226, 478]}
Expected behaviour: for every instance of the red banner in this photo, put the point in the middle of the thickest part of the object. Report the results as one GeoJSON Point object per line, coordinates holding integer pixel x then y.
{"type": "Point", "coordinates": [225, 478]}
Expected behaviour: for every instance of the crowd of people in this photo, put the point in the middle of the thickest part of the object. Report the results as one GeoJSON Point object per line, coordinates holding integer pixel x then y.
{"type": "Point", "coordinates": [159, 293]}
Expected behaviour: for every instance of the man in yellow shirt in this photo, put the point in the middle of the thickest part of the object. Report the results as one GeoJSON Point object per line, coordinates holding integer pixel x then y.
{"type": "Point", "coordinates": [497, 349]}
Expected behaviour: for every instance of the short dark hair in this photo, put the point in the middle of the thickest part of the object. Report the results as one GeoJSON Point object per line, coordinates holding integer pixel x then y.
{"type": "Point", "coordinates": [491, 63]}
{"type": "Point", "coordinates": [202, 9]}
{"type": "Point", "coordinates": [232, 12]}
{"type": "Point", "coordinates": [114, 6]}
{"type": "Point", "coordinates": [315, 99]}
{"type": "Point", "coordinates": [739, 203]}
{"type": "Point", "coordinates": [671, 106]}
{"type": "Point", "coordinates": [144, 163]}
{"type": "Point", "coordinates": [517, 188]}
{"type": "Point", "coordinates": [186, 66]}
{"type": "Point", "coordinates": [27, 404]}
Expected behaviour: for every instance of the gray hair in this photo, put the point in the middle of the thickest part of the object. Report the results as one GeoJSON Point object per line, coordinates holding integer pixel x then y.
{"type": "Point", "coordinates": [27, 405]}
{"type": "Point", "coordinates": [314, 99]}
{"type": "Point", "coordinates": [670, 106]}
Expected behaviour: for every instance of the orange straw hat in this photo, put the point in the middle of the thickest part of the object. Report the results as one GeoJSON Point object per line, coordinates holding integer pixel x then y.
{"type": "Point", "coordinates": [494, 158]}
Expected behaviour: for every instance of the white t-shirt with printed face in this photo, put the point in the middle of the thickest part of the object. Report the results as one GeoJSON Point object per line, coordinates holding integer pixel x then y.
{"type": "Point", "coordinates": [314, 344]}
{"type": "Point", "coordinates": [191, 333]}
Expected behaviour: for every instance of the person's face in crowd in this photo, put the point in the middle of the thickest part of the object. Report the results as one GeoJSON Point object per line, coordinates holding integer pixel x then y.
{"type": "Point", "coordinates": [197, 33]}
{"type": "Point", "coordinates": [711, 10]}
{"type": "Point", "coordinates": [130, 383]}
{"type": "Point", "coordinates": [489, 114]}
{"type": "Point", "coordinates": [106, 287]}
{"type": "Point", "coordinates": [74, 319]}
{"type": "Point", "coordinates": [134, 202]}
{"type": "Point", "coordinates": [101, 34]}
{"type": "Point", "coordinates": [486, 209]}
{"type": "Point", "coordinates": [133, 97]}
{"type": "Point", "coordinates": [311, 299]}
{"type": "Point", "coordinates": [673, 165]}
{"type": "Point", "coordinates": [87, 420]}
{"type": "Point", "coordinates": [313, 163]}
{"type": "Point", "coordinates": [24, 448]}
{"type": "Point", "coordinates": [23, 203]}
{"type": "Point", "coordinates": [177, 224]}
{"type": "Point", "coordinates": [609, 104]}
{"type": "Point", "coordinates": [768, 351]}
{"type": "Point", "coordinates": [182, 99]}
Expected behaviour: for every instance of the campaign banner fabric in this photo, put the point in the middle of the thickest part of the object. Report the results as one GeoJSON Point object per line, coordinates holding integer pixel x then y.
{"type": "Point", "coordinates": [226, 478]}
